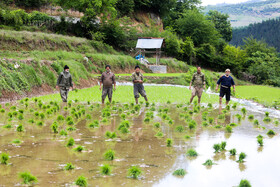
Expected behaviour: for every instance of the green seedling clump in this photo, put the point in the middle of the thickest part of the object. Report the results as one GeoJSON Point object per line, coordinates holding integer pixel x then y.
{"type": "Point", "coordinates": [106, 169]}
{"type": "Point", "coordinates": [69, 166]}
{"type": "Point", "coordinates": [28, 178]}
{"type": "Point", "coordinates": [244, 183]}
{"type": "Point", "coordinates": [208, 162]}
{"type": "Point", "coordinates": [109, 155]}
{"type": "Point", "coordinates": [81, 181]}
{"type": "Point", "coordinates": [169, 142]}
{"type": "Point", "coordinates": [179, 172]}
{"type": "Point", "coordinates": [271, 133]}
{"type": "Point", "coordinates": [232, 152]}
{"type": "Point", "coordinates": [134, 172]}
{"type": "Point", "coordinates": [70, 142]}
{"type": "Point", "coordinates": [192, 153]}
{"type": "Point", "coordinates": [242, 156]}
{"type": "Point", "coordinates": [4, 158]}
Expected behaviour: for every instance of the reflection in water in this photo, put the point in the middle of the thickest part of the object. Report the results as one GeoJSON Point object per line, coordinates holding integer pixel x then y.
{"type": "Point", "coordinates": [44, 153]}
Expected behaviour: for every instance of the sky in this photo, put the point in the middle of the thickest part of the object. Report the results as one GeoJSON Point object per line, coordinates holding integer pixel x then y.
{"type": "Point", "coordinates": [213, 2]}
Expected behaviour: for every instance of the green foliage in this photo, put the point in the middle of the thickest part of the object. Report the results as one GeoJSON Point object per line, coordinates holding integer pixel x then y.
{"type": "Point", "coordinates": [69, 166]}
{"type": "Point", "coordinates": [228, 129]}
{"type": "Point", "coordinates": [4, 158]}
{"type": "Point", "coordinates": [134, 172]}
{"type": "Point", "coordinates": [271, 133]}
{"type": "Point", "coordinates": [217, 147]}
{"type": "Point", "coordinates": [179, 172]}
{"type": "Point", "coordinates": [244, 183]}
{"type": "Point", "coordinates": [169, 142]}
{"type": "Point", "coordinates": [70, 142]}
{"type": "Point", "coordinates": [208, 162]}
{"type": "Point", "coordinates": [28, 178]}
{"type": "Point", "coordinates": [232, 152]}
{"type": "Point", "coordinates": [106, 169]}
{"type": "Point", "coordinates": [241, 158]}
{"type": "Point", "coordinates": [192, 153]}
{"type": "Point", "coordinates": [109, 155]}
{"type": "Point", "coordinates": [81, 181]}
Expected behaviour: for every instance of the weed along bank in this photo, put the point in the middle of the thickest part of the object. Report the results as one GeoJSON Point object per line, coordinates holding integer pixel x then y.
{"type": "Point", "coordinates": [149, 45]}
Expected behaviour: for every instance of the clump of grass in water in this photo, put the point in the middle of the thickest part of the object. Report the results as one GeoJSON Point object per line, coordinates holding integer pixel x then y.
{"type": "Point", "coordinates": [217, 147]}
{"type": "Point", "coordinates": [187, 137]}
{"type": "Point", "coordinates": [79, 148]}
{"type": "Point", "coordinates": [111, 135]}
{"type": "Point", "coordinates": [70, 142]}
{"type": "Point", "coordinates": [106, 169]}
{"type": "Point", "coordinates": [271, 133]}
{"type": "Point", "coordinates": [159, 134]}
{"type": "Point", "coordinates": [251, 117]}
{"type": "Point", "coordinates": [81, 181]}
{"type": "Point", "coordinates": [20, 128]}
{"type": "Point", "coordinates": [267, 119]}
{"type": "Point", "coordinates": [134, 172]}
{"type": "Point", "coordinates": [241, 158]}
{"type": "Point", "coordinates": [94, 124]}
{"type": "Point", "coordinates": [239, 117]}
{"type": "Point", "coordinates": [244, 183]}
{"type": "Point", "coordinates": [63, 133]}
{"type": "Point", "coordinates": [260, 141]}
{"type": "Point", "coordinates": [211, 120]}
{"type": "Point", "coordinates": [256, 122]}
{"type": "Point", "coordinates": [179, 128]}
{"type": "Point", "coordinates": [157, 125]}
{"type": "Point", "coordinates": [223, 146]}
{"type": "Point", "coordinates": [109, 155]}
{"type": "Point", "coordinates": [54, 127]}
{"type": "Point", "coordinates": [208, 162]}
{"type": "Point", "coordinates": [191, 152]}
{"type": "Point", "coordinates": [28, 178]}
{"type": "Point", "coordinates": [266, 114]}
{"type": "Point", "coordinates": [4, 158]}
{"type": "Point", "coordinates": [228, 129]}
{"type": "Point", "coordinates": [169, 142]}
{"type": "Point", "coordinates": [69, 166]}
{"type": "Point", "coordinates": [8, 126]}
{"type": "Point", "coordinates": [232, 152]}
{"type": "Point", "coordinates": [244, 111]}
{"type": "Point", "coordinates": [16, 141]}
{"type": "Point", "coordinates": [179, 172]}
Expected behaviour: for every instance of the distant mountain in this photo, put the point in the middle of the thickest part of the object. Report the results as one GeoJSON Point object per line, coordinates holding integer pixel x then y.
{"type": "Point", "coordinates": [268, 30]}
{"type": "Point", "coordinates": [243, 14]}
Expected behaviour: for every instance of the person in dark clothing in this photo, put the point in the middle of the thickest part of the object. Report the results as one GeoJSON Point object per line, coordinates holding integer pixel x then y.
{"type": "Point", "coordinates": [226, 82]}
{"type": "Point", "coordinates": [138, 79]}
{"type": "Point", "coordinates": [64, 82]}
{"type": "Point", "coordinates": [107, 80]}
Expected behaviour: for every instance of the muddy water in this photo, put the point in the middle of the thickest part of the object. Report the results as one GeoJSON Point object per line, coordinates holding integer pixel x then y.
{"type": "Point", "coordinates": [44, 153]}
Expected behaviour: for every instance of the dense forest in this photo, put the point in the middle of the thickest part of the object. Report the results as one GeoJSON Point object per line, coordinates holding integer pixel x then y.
{"type": "Point", "coordinates": [267, 31]}
{"type": "Point", "coordinates": [190, 35]}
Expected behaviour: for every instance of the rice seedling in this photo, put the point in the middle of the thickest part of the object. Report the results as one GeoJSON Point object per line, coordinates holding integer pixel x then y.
{"type": "Point", "coordinates": [223, 146]}
{"type": "Point", "coordinates": [42, 115]}
{"type": "Point", "coordinates": [159, 134]}
{"type": "Point", "coordinates": [134, 172]}
{"type": "Point", "coordinates": [69, 166]}
{"type": "Point", "coordinates": [239, 117]}
{"type": "Point", "coordinates": [228, 107]}
{"type": "Point", "coordinates": [109, 155]}
{"type": "Point", "coordinates": [218, 126]}
{"type": "Point", "coordinates": [276, 122]}
{"type": "Point", "coordinates": [106, 169]}
{"type": "Point", "coordinates": [187, 137]}
{"type": "Point", "coordinates": [124, 130]}
{"type": "Point", "coordinates": [211, 120]}
{"type": "Point", "coordinates": [270, 133]}
{"type": "Point", "coordinates": [63, 133]}
{"type": "Point", "coordinates": [205, 124]}
{"type": "Point", "coordinates": [4, 158]}
{"type": "Point", "coordinates": [40, 123]}
{"type": "Point", "coordinates": [79, 148]}
{"type": "Point", "coordinates": [16, 141]}
{"type": "Point", "coordinates": [179, 172]}
{"type": "Point", "coordinates": [70, 142]}
{"type": "Point", "coordinates": [28, 178]}
{"type": "Point", "coordinates": [232, 152]}
{"type": "Point", "coordinates": [8, 126]}
{"type": "Point", "coordinates": [20, 117]}
{"type": "Point", "coordinates": [54, 127]}
{"type": "Point", "coordinates": [169, 142]}
{"type": "Point", "coordinates": [157, 125]}
{"type": "Point", "coordinates": [192, 153]}
{"type": "Point", "coordinates": [266, 114]}
{"type": "Point", "coordinates": [259, 136]}
{"type": "Point", "coordinates": [267, 119]}
{"type": "Point", "coordinates": [260, 141]}
{"type": "Point", "coordinates": [2, 110]}
{"type": "Point", "coordinates": [228, 129]}
{"type": "Point", "coordinates": [31, 121]}
{"type": "Point", "coordinates": [251, 117]}
{"type": "Point", "coordinates": [147, 120]}
{"type": "Point", "coordinates": [256, 122]}
{"type": "Point", "coordinates": [70, 128]}
{"type": "Point", "coordinates": [111, 135]}
{"type": "Point", "coordinates": [179, 128]}
{"type": "Point", "coordinates": [221, 116]}
{"type": "Point", "coordinates": [123, 116]}
{"type": "Point", "coordinates": [217, 148]}
{"type": "Point", "coordinates": [241, 158]}
{"type": "Point", "coordinates": [170, 122]}
{"type": "Point", "coordinates": [81, 181]}
{"type": "Point", "coordinates": [208, 162]}
{"type": "Point", "coordinates": [88, 117]}
{"type": "Point", "coordinates": [244, 111]}
{"type": "Point", "coordinates": [192, 125]}
{"type": "Point", "coordinates": [244, 183]}
{"type": "Point", "coordinates": [20, 128]}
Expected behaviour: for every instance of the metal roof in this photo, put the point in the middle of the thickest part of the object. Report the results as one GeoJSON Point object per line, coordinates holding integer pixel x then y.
{"type": "Point", "coordinates": [149, 43]}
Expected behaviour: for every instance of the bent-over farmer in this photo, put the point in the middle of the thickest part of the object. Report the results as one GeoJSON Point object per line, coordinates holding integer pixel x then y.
{"type": "Point", "coordinates": [107, 80]}
{"type": "Point", "coordinates": [64, 82]}
{"type": "Point", "coordinates": [198, 82]}
{"type": "Point", "coordinates": [137, 79]}
{"type": "Point", "coordinates": [226, 82]}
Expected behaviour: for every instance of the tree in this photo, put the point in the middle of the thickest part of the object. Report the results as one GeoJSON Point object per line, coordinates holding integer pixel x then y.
{"type": "Point", "coordinates": [222, 24]}
{"type": "Point", "coordinates": [125, 7]}
{"type": "Point", "coordinates": [194, 24]}
{"type": "Point", "coordinates": [188, 50]}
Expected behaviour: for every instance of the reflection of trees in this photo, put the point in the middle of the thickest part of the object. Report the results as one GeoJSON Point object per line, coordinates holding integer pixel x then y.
{"type": "Point", "coordinates": [242, 167]}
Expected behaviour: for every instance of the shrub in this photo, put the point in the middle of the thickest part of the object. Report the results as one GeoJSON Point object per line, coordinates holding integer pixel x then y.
{"type": "Point", "coordinates": [134, 172]}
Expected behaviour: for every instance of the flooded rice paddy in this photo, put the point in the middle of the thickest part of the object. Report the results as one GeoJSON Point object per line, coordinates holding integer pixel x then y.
{"type": "Point", "coordinates": [142, 142]}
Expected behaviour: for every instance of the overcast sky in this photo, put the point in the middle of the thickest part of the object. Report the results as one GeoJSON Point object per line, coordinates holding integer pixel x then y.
{"type": "Point", "coordinates": [213, 2]}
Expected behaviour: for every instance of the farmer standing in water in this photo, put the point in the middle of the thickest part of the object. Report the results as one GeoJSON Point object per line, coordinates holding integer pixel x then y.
{"type": "Point", "coordinates": [198, 82]}
{"type": "Point", "coordinates": [226, 82]}
{"type": "Point", "coordinates": [64, 82]}
{"type": "Point", "coordinates": [108, 80]}
{"type": "Point", "coordinates": [137, 79]}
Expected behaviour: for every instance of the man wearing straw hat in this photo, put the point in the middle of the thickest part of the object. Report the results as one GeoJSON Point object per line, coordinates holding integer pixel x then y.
{"type": "Point", "coordinates": [198, 82]}
{"type": "Point", "coordinates": [226, 82]}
